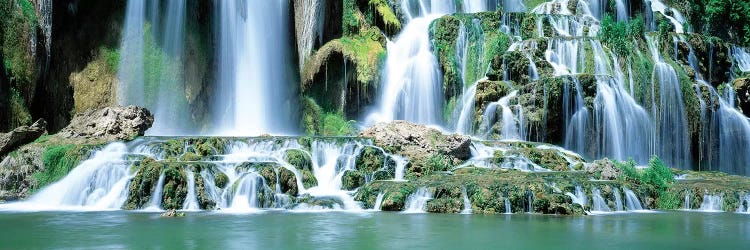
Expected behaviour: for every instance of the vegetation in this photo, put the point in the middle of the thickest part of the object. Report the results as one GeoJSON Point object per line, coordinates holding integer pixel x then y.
{"type": "Point", "coordinates": [619, 35]}
{"type": "Point", "coordinates": [58, 161]}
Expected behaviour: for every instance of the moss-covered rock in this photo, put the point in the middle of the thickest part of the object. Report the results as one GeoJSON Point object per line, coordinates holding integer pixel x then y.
{"type": "Point", "coordinates": [221, 180]}
{"type": "Point", "coordinates": [352, 179]}
{"type": "Point", "coordinates": [299, 159]}
{"type": "Point", "coordinates": [742, 87]}
{"type": "Point", "coordinates": [370, 160]}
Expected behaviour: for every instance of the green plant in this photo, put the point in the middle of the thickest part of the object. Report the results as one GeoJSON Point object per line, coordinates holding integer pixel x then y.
{"type": "Point", "coordinates": [58, 161]}
{"type": "Point", "coordinates": [336, 125]}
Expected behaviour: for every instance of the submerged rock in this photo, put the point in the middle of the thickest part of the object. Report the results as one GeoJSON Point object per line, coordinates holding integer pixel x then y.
{"type": "Point", "coordinates": [112, 123]}
{"type": "Point", "coordinates": [172, 213]}
{"type": "Point", "coordinates": [21, 135]}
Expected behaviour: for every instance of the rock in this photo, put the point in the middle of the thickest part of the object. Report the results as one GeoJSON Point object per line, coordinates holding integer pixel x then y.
{"type": "Point", "coordinates": [417, 141]}
{"type": "Point", "coordinates": [111, 123]}
{"type": "Point", "coordinates": [21, 135]}
{"type": "Point", "coordinates": [172, 213]}
{"type": "Point", "coordinates": [606, 169]}
{"type": "Point", "coordinates": [742, 86]}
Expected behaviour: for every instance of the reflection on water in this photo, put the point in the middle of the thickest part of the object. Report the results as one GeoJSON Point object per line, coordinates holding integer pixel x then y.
{"type": "Point", "coordinates": [282, 230]}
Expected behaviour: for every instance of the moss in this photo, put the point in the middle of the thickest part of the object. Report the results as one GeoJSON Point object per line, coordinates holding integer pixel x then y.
{"type": "Point", "coordinates": [204, 201]}
{"type": "Point", "coordinates": [365, 50]}
{"type": "Point", "coordinates": [311, 114]}
{"type": "Point", "coordinates": [546, 158]}
{"type": "Point", "coordinates": [370, 160]}
{"type": "Point", "coordinates": [19, 25]}
{"type": "Point", "coordinates": [58, 161]}
{"type": "Point", "coordinates": [142, 185]}
{"type": "Point", "coordinates": [95, 86]}
{"type": "Point", "coordinates": [308, 179]}
{"type": "Point", "coordinates": [383, 9]}
{"type": "Point", "coordinates": [175, 187]}
{"type": "Point", "coordinates": [299, 159]}
{"type": "Point", "coordinates": [19, 113]}
{"type": "Point", "coordinates": [221, 180]}
{"type": "Point", "coordinates": [352, 179]}
{"type": "Point", "coordinates": [336, 125]}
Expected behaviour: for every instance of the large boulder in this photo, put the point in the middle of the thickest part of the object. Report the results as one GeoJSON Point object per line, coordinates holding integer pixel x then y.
{"type": "Point", "coordinates": [111, 123]}
{"type": "Point", "coordinates": [21, 135]}
{"type": "Point", "coordinates": [417, 141]}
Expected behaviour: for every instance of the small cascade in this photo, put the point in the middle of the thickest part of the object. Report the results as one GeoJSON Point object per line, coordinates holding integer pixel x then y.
{"type": "Point", "coordinates": [99, 183]}
{"type": "Point", "coordinates": [467, 203]}
{"type": "Point", "coordinates": [378, 202]}
{"type": "Point", "coordinates": [401, 163]}
{"type": "Point", "coordinates": [529, 202]}
{"type": "Point", "coordinates": [599, 204]}
{"type": "Point", "coordinates": [507, 207]}
{"type": "Point", "coordinates": [579, 197]}
{"type": "Point", "coordinates": [191, 201]}
{"type": "Point", "coordinates": [245, 198]}
{"type": "Point", "coordinates": [156, 195]}
{"type": "Point", "coordinates": [742, 59]}
{"type": "Point", "coordinates": [465, 121]}
{"type": "Point", "coordinates": [512, 122]}
{"type": "Point", "coordinates": [712, 203]}
{"type": "Point", "coordinates": [45, 24]}
{"type": "Point", "coordinates": [417, 202]}
{"type": "Point", "coordinates": [687, 206]}
{"type": "Point", "coordinates": [744, 206]}
{"type": "Point", "coordinates": [675, 16]}
{"type": "Point", "coordinates": [631, 201]}
{"type": "Point", "coordinates": [618, 200]}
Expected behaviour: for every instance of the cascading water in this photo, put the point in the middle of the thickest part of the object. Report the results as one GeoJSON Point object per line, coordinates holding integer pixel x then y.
{"type": "Point", "coordinates": [467, 203]}
{"type": "Point", "coordinates": [744, 206]}
{"type": "Point", "coordinates": [618, 200]}
{"type": "Point", "coordinates": [671, 133]}
{"type": "Point", "coordinates": [507, 206]}
{"type": "Point", "coordinates": [687, 205]}
{"type": "Point", "coordinates": [99, 183]}
{"type": "Point", "coordinates": [712, 203]}
{"type": "Point", "coordinates": [599, 204]}
{"type": "Point", "coordinates": [191, 201]}
{"type": "Point", "coordinates": [378, 202]}
{"type": "Point", "coordinates": [632, 203]}
{"type": "Point", "coordinates": [156, 196]}
{"type": "Point", "coordinates": [130, 90]}
{"type": "Point", "coordinates": [623, 8]}
{"type": "Point", "coordinates": [412, 86]}
{"type": "Point", "coordinates": [579, 197]}
{"type": "Point", "coordinates": [417, 202]}
{"type": "Point", "coordinates": [150, 70]}
{"type": "Point", "coordinates": [253, 83]}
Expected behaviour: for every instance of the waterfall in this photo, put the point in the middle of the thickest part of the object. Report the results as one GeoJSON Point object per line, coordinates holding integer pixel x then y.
{"type": "Point", "coordinates": [507, 207]}
{"type": "Point", "coordinates": [513, 6]}
{"type": "Point", "coordinates": [618, 200]}
{"type": "Point", "coordinates": [191, 201]}
{"type": "Point", "coordinates": [412, 86]}
{"type": "Point", "coordinates": [99, 183]}
{"type": "Point", "coordinates": [742, 58]}
{"type": "Point", "coordinates": [245, 198]}
{"type": "Point", "coordinates": [579, 197]}
{"type": "Point", "coordinates": [599, 204]}
{"type": "Point", "coordinates": [130, 89]}
{"type": "Point", "coordinates": [253, 84]}
{"type": "Point", "coordinates": [157, 194]}
{"type": "Point", "coordinates": [672, 130]}
{"type": "Point", "coordinates": [417, 202]}
{"type": "Point", "coordinates": [631, 200]}
{"type": "Point", "coordinates": [687, 206]}
{"type": "Point", "coordinates": [401, 163]}
{"type": "Point", "coordinates": [712, 203]}
{"type": "Point", "coordinates": [623, 8]}
{"type": "Point", "coordinates": [744, 206]}
{"type": "Point", "coordinates": [467, 203]}
{"type": "Point", "coordinates": [465, 121]}
{"type": "Point", "coordinates": [378, 202]}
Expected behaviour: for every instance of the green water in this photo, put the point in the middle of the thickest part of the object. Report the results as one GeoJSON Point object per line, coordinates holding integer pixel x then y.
{"type": "Point", "coordinates": [334, 230]}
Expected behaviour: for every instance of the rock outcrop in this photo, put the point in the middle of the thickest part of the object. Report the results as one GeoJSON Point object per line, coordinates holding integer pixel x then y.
{"type": "Point", "coordinates": [417, 141]}
{"type": "Point", "coordinates": [112, 123]}
{"type": "Point", "coordinates": [21, 135]}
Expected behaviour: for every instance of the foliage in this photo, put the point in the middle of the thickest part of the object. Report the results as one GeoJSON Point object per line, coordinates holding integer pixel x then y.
{"type": "Point", "coordinates": [112, 57]}
{"type": "Point", "coordinates": [17, 25]}
{"type": "Point", "coordinates": [19, 113]}
{"type": "Point", "coordinates": [627, 168]}
{"type": "Point", "coordinates": [336, 125]}
{"type": "Point", "coordinates": [619, 35]}
{"type": "Point", "coordinates": [58, 161]}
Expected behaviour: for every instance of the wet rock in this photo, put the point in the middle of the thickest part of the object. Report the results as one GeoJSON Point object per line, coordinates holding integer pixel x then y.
{"type": "Point", "coordinates": [112, 123]}
{"type": "Point", "coordinates": [172, 213]}
{"type": "Point", "coordinates": [417, 141]}
{"type": "Point", "coordinates": [21, 135]}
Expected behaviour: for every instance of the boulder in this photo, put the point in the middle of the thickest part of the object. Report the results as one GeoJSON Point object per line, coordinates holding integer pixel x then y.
{"type": "Point", "coordinates": [21, 136]}
{"type": "Point", "coordinates": [417, 141]}
{"type": "Point", "coordinates": [742, 86]}
{"type": "Point", "coordinates": [111, 123]}
{"type": "Point", "coordinates": [605, 168]}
